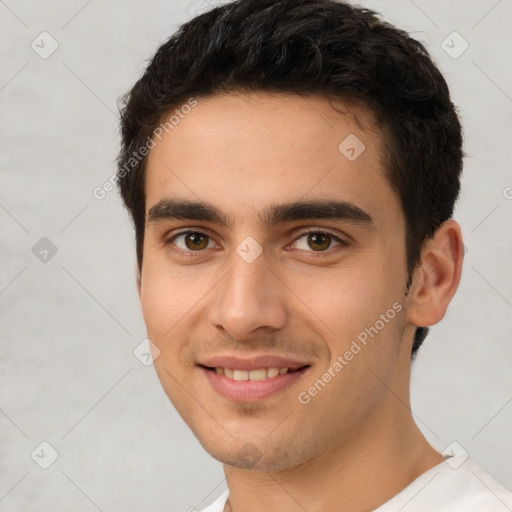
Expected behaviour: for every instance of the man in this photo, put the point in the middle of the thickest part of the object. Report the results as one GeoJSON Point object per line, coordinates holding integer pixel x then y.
{"type": "Point", "coordinates": [291, 168]}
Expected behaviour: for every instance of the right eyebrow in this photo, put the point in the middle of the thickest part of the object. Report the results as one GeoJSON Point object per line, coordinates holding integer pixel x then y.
{"type": "Point", "coordinates": [168, 209]}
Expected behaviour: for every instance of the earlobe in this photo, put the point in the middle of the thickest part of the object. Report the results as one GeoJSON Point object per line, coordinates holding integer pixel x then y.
{"type": "Point", "coordinates": [437, 277]}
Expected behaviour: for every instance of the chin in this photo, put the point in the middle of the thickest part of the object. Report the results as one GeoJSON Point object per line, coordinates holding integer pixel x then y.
{"type": "Point", "coordinates": [256, 455]}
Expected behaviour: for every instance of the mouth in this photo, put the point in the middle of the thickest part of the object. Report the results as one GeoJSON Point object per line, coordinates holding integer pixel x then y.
{"type": "Point", "coordinates": [243, 385]}
{"type": "Point", "coordinates": [254, 375]}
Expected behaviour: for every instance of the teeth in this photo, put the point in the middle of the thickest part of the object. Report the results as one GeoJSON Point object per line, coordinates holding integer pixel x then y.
{"type": "Point", "coordinates": [241, 375]}
{"type": "Point", "coordinates": [259, 374]}
{"type": "Point", "coordinates": [272, 372]}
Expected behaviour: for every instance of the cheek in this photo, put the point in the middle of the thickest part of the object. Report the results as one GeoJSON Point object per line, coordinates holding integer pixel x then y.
{"type": "Point", "coordinates": [164, 298]}
{"type": "Point", "coordinates": [158, 305]}
{"type": "Point", "coordinates": [164, 308]}
{"type": "Point", "coordinates": [172, 300]}
{"type": "Point", "coordinates": [345, 300]}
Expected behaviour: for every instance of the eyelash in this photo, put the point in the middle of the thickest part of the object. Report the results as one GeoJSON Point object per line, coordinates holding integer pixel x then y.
{"type": "Point", "coordinates": [315, 254]}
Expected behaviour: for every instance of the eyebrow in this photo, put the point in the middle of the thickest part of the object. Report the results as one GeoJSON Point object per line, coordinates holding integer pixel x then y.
{"type": "Point", "coordinates": [168, 209]}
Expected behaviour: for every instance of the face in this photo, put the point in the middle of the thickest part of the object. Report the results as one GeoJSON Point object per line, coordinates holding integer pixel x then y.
{"type": "Point", "coordinates": [273, 277]}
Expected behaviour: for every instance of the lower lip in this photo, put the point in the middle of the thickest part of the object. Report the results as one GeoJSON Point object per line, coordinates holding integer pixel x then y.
{"type": "Point", "coordinates": [251, 390]}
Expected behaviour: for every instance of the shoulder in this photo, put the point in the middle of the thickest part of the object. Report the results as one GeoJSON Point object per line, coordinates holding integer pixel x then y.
{"type": "Point", "coordinates": [218, 504]}
{"type": "Point", "coordinates": [481, 491]}
{"type": "Point", "coordinates": [456, 485]}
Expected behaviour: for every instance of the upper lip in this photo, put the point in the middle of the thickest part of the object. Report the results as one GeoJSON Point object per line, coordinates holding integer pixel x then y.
{"type": "Point", "coordinates": [254, 362]}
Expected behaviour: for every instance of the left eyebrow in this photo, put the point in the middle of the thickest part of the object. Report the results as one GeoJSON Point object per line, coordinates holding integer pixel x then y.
{"type": "Point", "coordinates": [271, 216]}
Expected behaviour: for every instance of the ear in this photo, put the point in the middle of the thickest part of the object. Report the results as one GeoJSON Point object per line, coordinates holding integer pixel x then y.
{"type": "Point", "coordinates": [137, 278]}
{"type": "Point", "coordinates": [437, 278]}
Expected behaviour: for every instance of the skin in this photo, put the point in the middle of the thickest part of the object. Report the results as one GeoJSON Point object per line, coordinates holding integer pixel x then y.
{"type": "Point", "coordinates": [355, 444]}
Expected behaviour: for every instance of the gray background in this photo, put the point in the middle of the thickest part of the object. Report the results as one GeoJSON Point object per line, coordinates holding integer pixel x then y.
{"type": "Point", "coordinates": [69, 325]}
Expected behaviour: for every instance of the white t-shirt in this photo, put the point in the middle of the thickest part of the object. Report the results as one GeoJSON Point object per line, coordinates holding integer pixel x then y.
{"type": "Point", "coordinates": [456, 485]}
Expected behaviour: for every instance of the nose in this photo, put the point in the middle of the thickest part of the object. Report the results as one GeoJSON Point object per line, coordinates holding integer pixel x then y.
{"type": "Point", "coordinates": [249, 300]}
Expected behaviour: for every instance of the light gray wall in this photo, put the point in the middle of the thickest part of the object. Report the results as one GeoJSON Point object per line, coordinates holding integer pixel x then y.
{"type": "Point", "coordinates": [69, 325]}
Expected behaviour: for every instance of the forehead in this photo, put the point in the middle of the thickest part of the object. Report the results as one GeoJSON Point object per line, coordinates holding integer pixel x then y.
{"type": "Point", "coordinates": [243, 152]}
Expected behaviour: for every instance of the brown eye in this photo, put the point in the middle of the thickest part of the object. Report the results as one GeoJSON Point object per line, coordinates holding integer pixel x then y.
{"type": "Point", "coordinates": [190, 241]}
{"type": "Point", "coordinates": [319, 241]}
{"type": "Point", "coordinates": [196, 241]}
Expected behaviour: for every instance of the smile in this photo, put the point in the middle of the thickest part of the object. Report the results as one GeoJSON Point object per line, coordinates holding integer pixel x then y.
{"type": "Point", "coordinates": [259, 374]}
{"type": "Point", "coordinates": [240, 385]}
